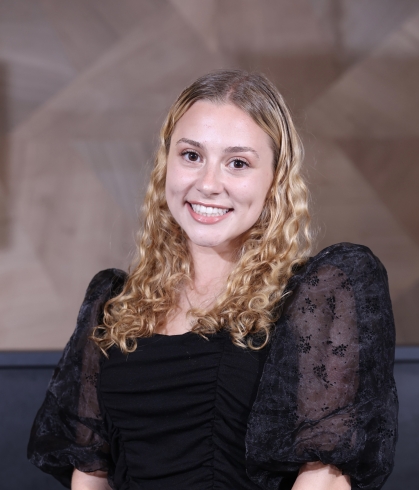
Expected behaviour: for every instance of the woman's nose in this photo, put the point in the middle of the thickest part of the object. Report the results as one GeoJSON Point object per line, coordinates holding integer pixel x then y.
{"type": "Point", "coordinates": [210, 179]}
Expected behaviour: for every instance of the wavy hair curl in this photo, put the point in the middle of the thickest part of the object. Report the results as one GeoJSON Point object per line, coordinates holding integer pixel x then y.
{"type": "Point", "coordinates": [278, 241]}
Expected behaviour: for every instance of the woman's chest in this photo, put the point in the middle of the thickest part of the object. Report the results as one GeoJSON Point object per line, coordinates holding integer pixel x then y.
{"type": "Point", "coordinates": [176, 378]}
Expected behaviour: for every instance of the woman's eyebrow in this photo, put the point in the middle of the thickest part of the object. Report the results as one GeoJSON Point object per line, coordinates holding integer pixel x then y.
{"type": "Point", "coordinates": [191, 142]}
{"type": "Point", "coordinates": [240, 149]}
{"type": "Point", "coordinates": [230, 149]}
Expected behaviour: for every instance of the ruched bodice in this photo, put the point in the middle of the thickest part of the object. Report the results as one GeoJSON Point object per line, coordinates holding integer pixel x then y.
{"type": "Point", "coordinates": [178, 408]}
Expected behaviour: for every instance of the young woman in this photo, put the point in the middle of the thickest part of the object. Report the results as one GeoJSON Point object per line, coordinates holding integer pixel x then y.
{"type": "Point", "coordinates": [226, 358]}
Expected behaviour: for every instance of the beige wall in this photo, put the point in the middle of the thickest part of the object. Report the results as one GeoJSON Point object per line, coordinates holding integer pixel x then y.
{"type": "Point", "coordinates": [84, 85]}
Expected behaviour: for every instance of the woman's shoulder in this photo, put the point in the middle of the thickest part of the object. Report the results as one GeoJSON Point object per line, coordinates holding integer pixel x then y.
{"type": "Point", "coordinates": [108, 282]}
{"type": "Point", "coordinates": [344, 252]}
{"type": "Point", "coordinates": [354, 260]}
{"type": "Point", "coordinates": [105, 285]}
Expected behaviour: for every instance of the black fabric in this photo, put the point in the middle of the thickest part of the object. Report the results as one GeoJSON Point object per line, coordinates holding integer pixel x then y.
{"type": "Point", "coordinates": [327, 391]}
{"type": "Point", "coordinates": [174, 413]}
{"type": "Point", "coordinates": [68, 430]}
{"type": "Point", "coordinates": [179, 405]}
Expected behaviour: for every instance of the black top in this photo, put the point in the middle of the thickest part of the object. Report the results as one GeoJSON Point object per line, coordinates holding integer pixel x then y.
{"type": "Point", "coordinates": [184, 412]}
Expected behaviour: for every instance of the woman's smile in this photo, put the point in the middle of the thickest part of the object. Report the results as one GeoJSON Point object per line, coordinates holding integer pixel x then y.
{"type": "Point", "coordinates": [208, 214]}
{"type": "Point", "coordinates": [205, 210]}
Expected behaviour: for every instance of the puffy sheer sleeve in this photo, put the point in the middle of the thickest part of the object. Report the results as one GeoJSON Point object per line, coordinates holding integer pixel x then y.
{"type": "Point", "coordinates": [327, 392]}
{"type": "Point", "coordinates": [68, 431]}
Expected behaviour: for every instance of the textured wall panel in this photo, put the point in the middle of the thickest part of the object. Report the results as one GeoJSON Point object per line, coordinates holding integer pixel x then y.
{"type": "Point", "coordinates": [84, 87]}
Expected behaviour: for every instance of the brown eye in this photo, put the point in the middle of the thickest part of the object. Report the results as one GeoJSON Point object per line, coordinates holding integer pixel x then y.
{"type": "Point", "coordinates": [239, 164]}
{"type": "Point", "coordinates": [191, 156]}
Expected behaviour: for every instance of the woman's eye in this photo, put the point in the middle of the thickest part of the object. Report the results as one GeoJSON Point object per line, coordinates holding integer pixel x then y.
{"type": "Point", "coordinates": [191, 156]}
{"type": "Point", "coordinates": [238, 164]}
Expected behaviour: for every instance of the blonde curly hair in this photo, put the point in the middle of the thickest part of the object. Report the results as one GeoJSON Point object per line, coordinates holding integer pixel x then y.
{"type": "Point", "coordinates": [278, 241]}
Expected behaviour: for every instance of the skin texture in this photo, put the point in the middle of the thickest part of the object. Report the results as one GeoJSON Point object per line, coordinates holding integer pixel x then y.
{"type": "Point", "coordinates": [317, 476]}
{"type": "Point", "coordinates": [89, 481]}
{"type": "Point", "coordinates": [219, 157]}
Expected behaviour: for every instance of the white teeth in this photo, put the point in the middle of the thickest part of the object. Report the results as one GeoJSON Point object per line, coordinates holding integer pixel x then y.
{"type": "Point", "coordinates": [208, 210]}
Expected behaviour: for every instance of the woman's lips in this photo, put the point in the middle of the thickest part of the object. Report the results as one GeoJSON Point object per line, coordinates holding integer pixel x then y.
{"type": "Point", "coordinates": [209, 220]}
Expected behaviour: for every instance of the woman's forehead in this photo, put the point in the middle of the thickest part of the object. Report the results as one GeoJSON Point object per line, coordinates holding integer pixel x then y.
{"type": "Point", "coordinates": [223, 123]}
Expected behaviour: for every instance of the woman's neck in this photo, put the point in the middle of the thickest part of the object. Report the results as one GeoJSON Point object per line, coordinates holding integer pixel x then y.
{"type": "Point", "coordinates": [211, 271]}
{"type": "Point", "coordinates": [211, 268]}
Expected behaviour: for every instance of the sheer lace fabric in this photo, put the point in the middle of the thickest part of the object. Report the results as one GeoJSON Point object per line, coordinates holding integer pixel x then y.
{"type": "Point", "coordinates": [69, 430]}
{"type": "Point", "coordinates": [326, 393]}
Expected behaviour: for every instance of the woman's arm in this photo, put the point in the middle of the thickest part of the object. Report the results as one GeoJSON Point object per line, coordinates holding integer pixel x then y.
{"type": "Point", "coordinates": [69, 430]}
{"type": "Point", "coordinates": [327, 392]}
{"type": "Point", "coordinates": [97, 480]}
{"type": "Point", "coordinates": [317, 476]}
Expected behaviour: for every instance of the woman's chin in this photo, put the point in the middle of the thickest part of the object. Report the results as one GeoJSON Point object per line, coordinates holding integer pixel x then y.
{"type": "Point", "coordinates": [210, 244]}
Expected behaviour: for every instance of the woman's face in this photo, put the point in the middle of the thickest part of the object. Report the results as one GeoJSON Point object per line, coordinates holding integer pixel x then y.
{"type": "Point", "coordinates": [219, 170]}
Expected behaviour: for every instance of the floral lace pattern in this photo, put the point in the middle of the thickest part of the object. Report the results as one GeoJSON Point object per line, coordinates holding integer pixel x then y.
{"type": "Point", "coordinates": [327, 392]}
{"type": "Point", "coordinates": [69, 431]}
